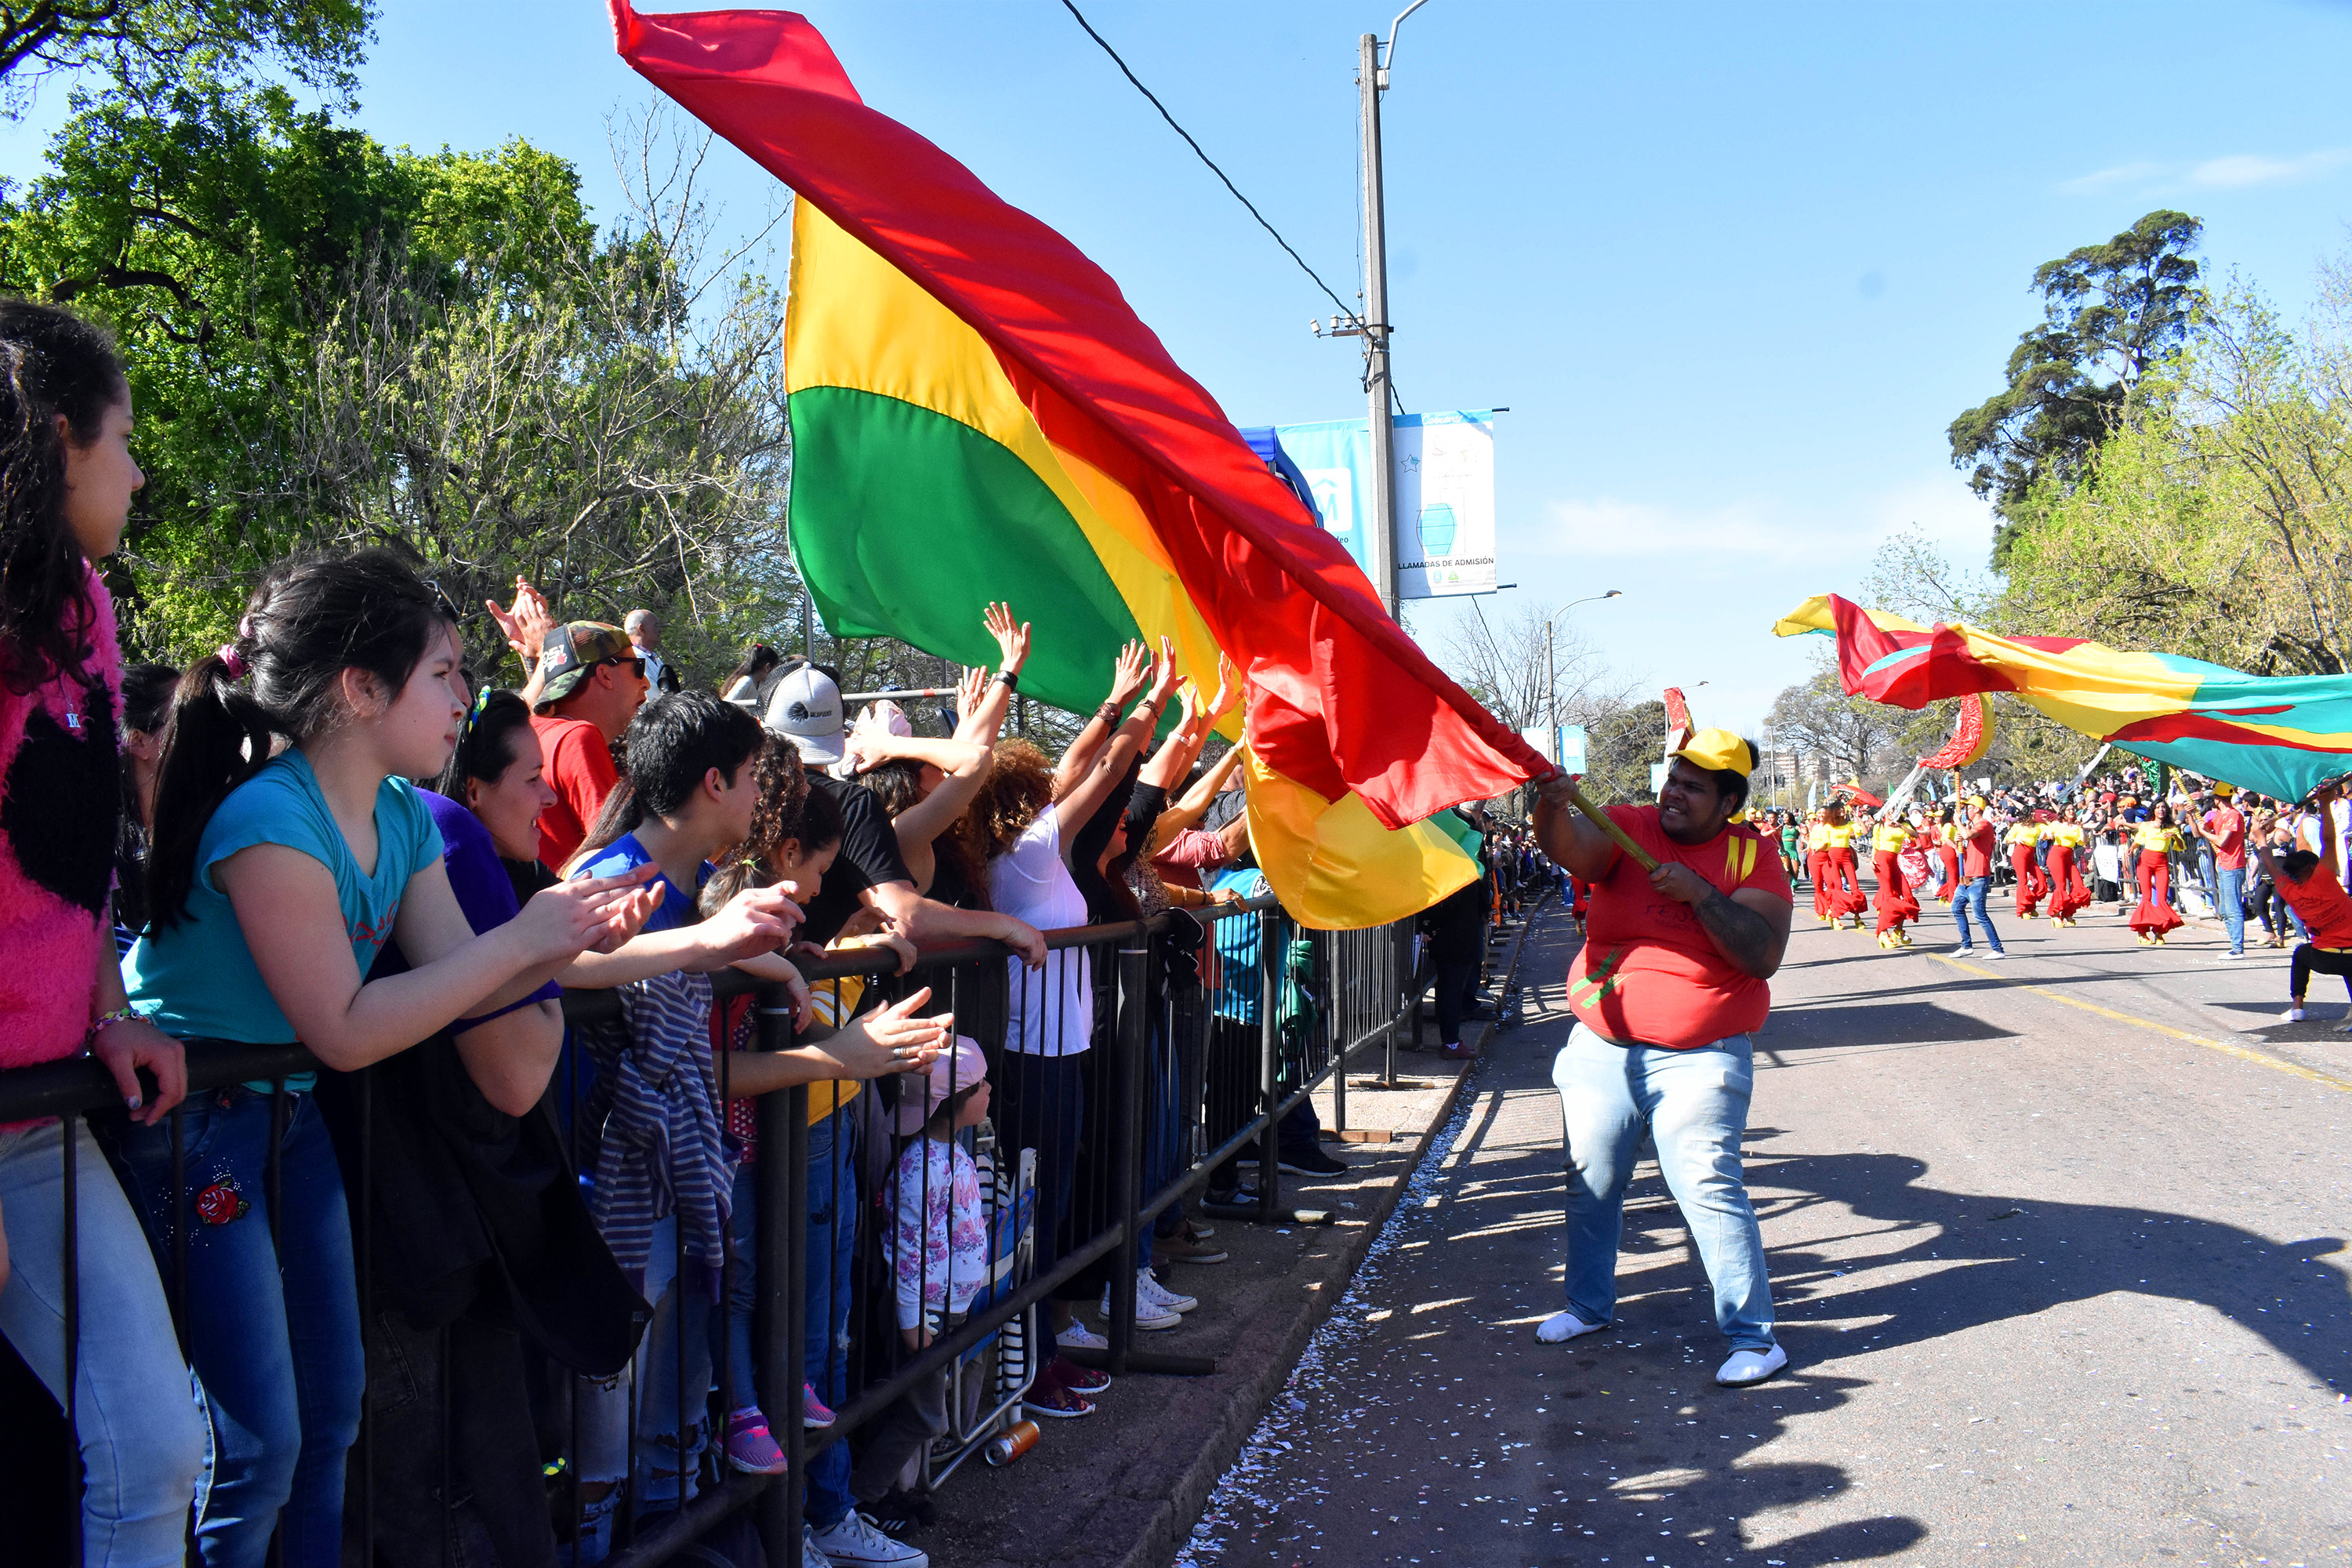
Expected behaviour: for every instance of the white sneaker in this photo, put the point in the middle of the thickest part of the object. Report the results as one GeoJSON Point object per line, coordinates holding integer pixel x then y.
{"type": "Point", "coordinates": [1149, 1315]}
{"type": "Point", "coordinates": [1995, 956]}
{"type": "Point", "coordinates": [1561, 1327]}
{"type": "Point", "coordinates": [1962, 951]}
{"type": "Point", "coordinates": [1747, 1367]}
{"type": "Point", "coordinates": [1148, 1289]}
{"type": "Point", "coordinates": [1078, 1337]}
{"type": "Point", "coordinates": [855, 1539]}
{"type": "Point", "coordinates": [2291, 1015]}
{"type": "Point", "coordinates": [2345, 1027]}
{"type": "Point", "coordinates": [2228, 957]}
{"type": "Point", "coordinates": [812, 1555]}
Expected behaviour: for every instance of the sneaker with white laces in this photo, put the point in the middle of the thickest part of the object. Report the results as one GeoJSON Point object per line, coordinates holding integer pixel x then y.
{"type": "Point", "coordinates": [1995, 956]}
{"type": "Point", "coordinates": [1564, 1326]}
{"type": "Point", "coordinates": [812, 1555]}
{"type": "Point", "coordinates": [2291, 1015]}
{"type": "Point", "coordinates": [1078, 1337]}
{"type": "Point", "coordinates": [1748, 1367]}
{"type": "Point", "coordinates": [1149, 1289]}
{"type": "Point", "coordinates": [1149, 1315]}
{"type": "Point", "coordinates": [1963, 951]}
{"type": "Point", "coordinates": [854, 1540]}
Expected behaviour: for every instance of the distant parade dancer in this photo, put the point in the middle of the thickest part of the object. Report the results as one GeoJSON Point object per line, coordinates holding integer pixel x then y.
{"type": "Point", "coordinates": [1817, 864]}
{"type": "Point", "coordinates": [1948, 851]}
{"type": "Point", "coordinates": [1667, 988]}
{"type": "Point", "coordinates": [1846, 895]}
{"type": "Point", "coordinates": [2068, 892]}
{"type": "Point", "coordinates": [2025, 835]}
{"type": "Point", "coordinates": [1895, 904]}
{"type": "Point", "coordinates": [2157, 841]}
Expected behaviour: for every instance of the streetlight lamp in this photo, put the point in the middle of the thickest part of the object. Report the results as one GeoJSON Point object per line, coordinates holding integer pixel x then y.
{"type": "Point", "coordinates": [1551, 694]}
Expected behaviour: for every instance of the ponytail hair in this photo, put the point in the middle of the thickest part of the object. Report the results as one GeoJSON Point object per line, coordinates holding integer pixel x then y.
{"type": "Point", "coordinates": [486, 748]}
{"type": "Point", "coordinates": [791, 809]}
{"type": "Point", "coordinates": [311, 617]}
{"type": "Point", "coordinates": [53, 365]}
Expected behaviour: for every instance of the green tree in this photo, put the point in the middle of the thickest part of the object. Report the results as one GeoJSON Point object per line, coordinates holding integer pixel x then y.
{"type": "Point", "coordinates": [145, 45]}
{"type": "Point", "coordinates": [1619, 748]}
{"type": "Point", "coordinates": [2110, 314]}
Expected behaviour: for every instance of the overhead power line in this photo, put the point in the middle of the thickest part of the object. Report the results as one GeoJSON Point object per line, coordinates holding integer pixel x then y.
{"type": "Point", "coordinates": [1353, 314]}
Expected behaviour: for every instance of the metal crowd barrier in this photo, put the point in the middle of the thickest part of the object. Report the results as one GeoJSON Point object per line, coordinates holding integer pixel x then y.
{"type": "Point", "coordinates": [1195, 1057]}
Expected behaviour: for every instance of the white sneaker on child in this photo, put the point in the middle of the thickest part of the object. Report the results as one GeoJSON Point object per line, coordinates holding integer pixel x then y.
{"type": "Point", "coordinates": [1078, 1337]}
{"type": "Point", "coordinates": [1149, 1315]}
{"type": "Point", "coordinates": [2291, 1015]}
{"type": "Point", "coordinates": [854, 1540]}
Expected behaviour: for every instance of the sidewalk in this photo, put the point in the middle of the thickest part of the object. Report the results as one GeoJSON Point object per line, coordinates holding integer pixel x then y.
{"type": "Point", "coordinates": [1121, 1489]}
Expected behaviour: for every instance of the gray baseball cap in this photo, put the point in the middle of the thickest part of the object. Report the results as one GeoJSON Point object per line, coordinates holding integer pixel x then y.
{"type": "Point", "coordinates": [805, 709]}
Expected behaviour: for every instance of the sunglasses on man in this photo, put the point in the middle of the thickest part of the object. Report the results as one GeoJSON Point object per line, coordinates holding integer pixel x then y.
{"type": "Point", "coordinates": [637, 665]}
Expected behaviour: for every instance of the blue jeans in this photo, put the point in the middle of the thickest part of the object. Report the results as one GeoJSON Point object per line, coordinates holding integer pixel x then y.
{"type": "Point", "coordinates": [832, 1247]}
{"type": "Point", "coordinates": [273, 1331]}
{"type": "Point", "coordinates": [1694, 1103]}
{"type": "Point", "coordinates": [135, 1416]}
{"type": "Point", "coordinates": [1972, 896]}
{"type": "Point", "coordinates": [742, 1297]}
{"type": "Point", "coordinates": [2229, 892]}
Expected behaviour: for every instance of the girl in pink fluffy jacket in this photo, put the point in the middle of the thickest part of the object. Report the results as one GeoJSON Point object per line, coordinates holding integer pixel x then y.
{"type": "Point", "coordinates": [67, 476]}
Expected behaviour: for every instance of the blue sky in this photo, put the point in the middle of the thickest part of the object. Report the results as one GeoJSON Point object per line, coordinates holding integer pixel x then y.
{"type": "Point", "coordinates": [1734, 269]}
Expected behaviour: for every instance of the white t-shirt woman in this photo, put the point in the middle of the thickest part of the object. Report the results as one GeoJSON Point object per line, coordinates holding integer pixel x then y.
{"type": "Point", "coordinates": [1052, 1010]}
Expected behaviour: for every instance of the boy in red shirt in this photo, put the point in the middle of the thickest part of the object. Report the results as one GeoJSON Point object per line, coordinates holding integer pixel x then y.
{"type": "Point", "coordinates": [2312, 890]}
{"type": "Point", "coordinates": [1669, 984]}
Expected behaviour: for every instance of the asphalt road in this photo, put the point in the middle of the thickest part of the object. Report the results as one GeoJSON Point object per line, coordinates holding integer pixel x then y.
{"type": "Point", "coordinates": [2058, 1253]}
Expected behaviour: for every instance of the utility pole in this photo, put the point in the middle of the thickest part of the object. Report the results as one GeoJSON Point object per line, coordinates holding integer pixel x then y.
{"type": "Point", "coordinates": [1381, 547]}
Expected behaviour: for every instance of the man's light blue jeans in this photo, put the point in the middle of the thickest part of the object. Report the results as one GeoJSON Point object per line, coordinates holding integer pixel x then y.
{"type": "Point", "coordinates": [1972, 896]}
{"type": "Point", "coordinates": [2231, 894]}
{"type": "Point", "coordinates": [1694, 1104]}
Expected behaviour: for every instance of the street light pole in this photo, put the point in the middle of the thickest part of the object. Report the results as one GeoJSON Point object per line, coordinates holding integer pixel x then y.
{"type": "Point", "coordinates": [1551, 668]}
{"type": "Point", "coordinates": [1381, 548]}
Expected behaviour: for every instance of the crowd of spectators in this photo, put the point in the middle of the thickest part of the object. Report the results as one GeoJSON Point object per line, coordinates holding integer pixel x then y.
{"type": "Point", "coordinates": [330, 831]}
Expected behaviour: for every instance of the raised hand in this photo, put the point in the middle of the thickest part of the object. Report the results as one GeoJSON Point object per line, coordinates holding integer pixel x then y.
{"type": "Point", "coordinates": [970, 689]}
{"type": "Point", "coordinates": [1228, 694]}
{"type": "Point", "coordinates": [1164, 675]}
{"type": "Point", "coordinates": [526, 625]}
{"type": "Point", "coordinates": [1011, 638]}
{"type": "Point", "coordinates": [1129, 672]}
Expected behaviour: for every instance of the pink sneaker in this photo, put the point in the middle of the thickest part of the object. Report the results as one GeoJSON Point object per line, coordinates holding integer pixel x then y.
{"type": "Point", "coordinates": [750, 1448]}
{"type": "Point", "coordinates": [814, 1411]}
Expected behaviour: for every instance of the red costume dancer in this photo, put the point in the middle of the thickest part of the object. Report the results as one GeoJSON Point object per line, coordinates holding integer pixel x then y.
{"type": "Point", "coordinates": [2030, 884]}
{"type": "Point", "coordinates": [2068, 894]}
{"type": "Point", "coordinates": [1947, 850]}
{"type": "Point", "coordinates": [2154, 916]}
{"type": "Point", "coordinates": [1895, 904]}
{"type": "Point", "coordinates": [1817, 865]}
{"type": "Point", "coordinates": [1845, 894]}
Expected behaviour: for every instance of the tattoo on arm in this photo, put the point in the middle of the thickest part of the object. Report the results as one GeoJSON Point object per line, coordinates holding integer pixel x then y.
{"type": "Point", "coordinates": [1739, 934]}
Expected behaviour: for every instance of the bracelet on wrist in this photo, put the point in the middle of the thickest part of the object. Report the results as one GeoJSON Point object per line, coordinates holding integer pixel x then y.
{"type": "Point", "coordinates": [1011, 680]}
{"type": "Point", "coordinates": [113, 1016]}
{"type": "Point", "coordinates": [1109, 712]}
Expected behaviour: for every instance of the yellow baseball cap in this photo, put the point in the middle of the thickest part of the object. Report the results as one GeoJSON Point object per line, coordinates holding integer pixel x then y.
{"type": "Point", "coordinates": [1718, 749]}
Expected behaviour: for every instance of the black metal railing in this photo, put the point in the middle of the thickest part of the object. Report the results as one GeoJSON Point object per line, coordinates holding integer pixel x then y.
{"type": "Point", "coordinates": [1158, 1054]}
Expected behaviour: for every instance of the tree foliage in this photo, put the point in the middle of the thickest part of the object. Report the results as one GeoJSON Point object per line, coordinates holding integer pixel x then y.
{"type": "Point", "coordinates": [2111, 312]}
{"type": "Point", "coordinates": [146, 44]}
{"type": "Point", "coordinates": [2217, 523]}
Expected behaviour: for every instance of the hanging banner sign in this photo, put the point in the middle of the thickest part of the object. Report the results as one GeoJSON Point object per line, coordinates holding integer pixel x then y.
{"type": "Point", "coordinates": [1563, 746]}
{"type": "Point", "coordinates": [1444, 486]}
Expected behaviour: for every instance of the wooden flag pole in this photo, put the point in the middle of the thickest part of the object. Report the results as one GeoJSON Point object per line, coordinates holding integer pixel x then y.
{"type": "Point", "coordinates": [1602, 820]}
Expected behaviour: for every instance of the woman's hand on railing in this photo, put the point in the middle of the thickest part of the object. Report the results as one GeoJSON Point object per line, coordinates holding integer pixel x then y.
{"type": "Point", "coordinates": [1024, 939]}
{"type": "Point", "coordinates": [892, 1040]}
{"type": "Point", "coordinates": [124, 1046]}
{"type": "Point", "coordinates": [572, 918]}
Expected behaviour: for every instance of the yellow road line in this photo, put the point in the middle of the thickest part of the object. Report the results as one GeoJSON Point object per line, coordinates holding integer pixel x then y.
{"type": "Point", "coordinates": [2227, 1047]}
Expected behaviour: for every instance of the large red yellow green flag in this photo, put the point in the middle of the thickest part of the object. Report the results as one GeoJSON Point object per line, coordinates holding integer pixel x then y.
{"type": "Point", "coordinates": [2281, 736]}
{"type": "Point", "coordinates": [978, 414]}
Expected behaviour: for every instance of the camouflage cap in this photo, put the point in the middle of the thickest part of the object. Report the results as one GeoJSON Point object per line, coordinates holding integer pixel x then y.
{"type": "Point", "coordinates": [571, 652]}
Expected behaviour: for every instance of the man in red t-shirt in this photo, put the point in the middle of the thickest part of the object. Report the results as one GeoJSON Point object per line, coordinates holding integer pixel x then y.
{"type": "Point", "coordinates": [1668, 985]}
{"type": "Point", "coordinates": [2224, 827]}
{"type": "Point", "coordinates": [2312, 889]}
{"type": "Point", "coordinates": [1979, 843]}
{"type": "Point", "coordinates": [590, 684]}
